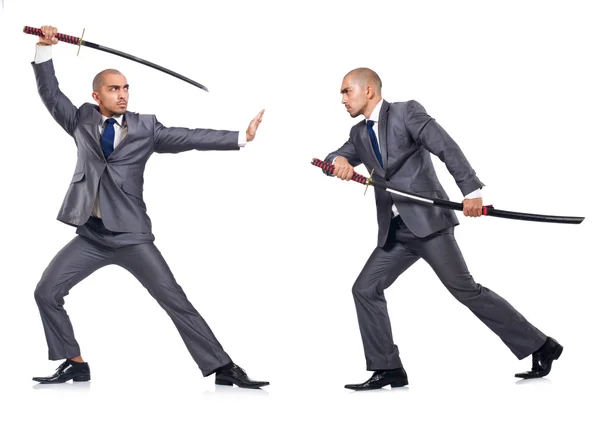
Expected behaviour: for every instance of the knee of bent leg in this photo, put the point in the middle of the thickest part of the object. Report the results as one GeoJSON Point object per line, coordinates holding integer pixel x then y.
{"type": "Point", "coordinates": [46, 293]}
{"type": "Point", "coordinates": [168, 293]}
{"type": "Point", "coordinates": [465, 289]}
{"type": "Point", "coordinates": [42, 293]}
{"type": "Point", "coordinates": [362, 288]}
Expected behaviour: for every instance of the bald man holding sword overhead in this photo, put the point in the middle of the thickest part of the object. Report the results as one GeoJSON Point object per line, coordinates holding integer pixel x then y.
{"type": "Point", "coordinates": [105, 202]}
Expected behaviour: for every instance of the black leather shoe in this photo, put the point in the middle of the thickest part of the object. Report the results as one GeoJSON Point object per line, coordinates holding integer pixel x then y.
{"type": "Point", "coordinates": [542, 359]}
{"type": "Point", "coordinates": [68, 370]}
{"type": "Point", "coordinates": [235, 375]}
{"type": "Point", "coordinates": [379, 379]}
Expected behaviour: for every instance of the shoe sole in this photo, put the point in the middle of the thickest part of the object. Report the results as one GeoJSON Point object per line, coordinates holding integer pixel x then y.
{"type": "Point", "coordinates": [398, 384]}
{"type": "Point", "coordinates": [228, 383]}
{"type": "Point", "coordinates": [75, 379]}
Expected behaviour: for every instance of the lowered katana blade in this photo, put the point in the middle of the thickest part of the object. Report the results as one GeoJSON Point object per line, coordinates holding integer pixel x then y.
{"type": "Point", "coordinates": [80, 42]}
{"type": "Point", "coordinates": [487, 210]}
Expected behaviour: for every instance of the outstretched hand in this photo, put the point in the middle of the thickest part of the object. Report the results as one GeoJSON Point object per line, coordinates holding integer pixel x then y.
{"type": "Point", "coordinates": [49, 36]}
{"type": "Point", "coordinates": [251, 131]}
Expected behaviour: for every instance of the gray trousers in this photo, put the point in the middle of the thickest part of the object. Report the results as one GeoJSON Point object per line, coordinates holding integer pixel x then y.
{"type": "Point", "coordinates": [441, 252]}
{"type": "Point", "coordinates": [96, 247]}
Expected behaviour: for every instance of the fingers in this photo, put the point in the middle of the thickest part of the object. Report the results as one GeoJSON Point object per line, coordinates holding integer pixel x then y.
{"type": "Point", "coordinates": [344, 172]}
{"type": "Point", "coordinates": [468, 208]}
{"type": "Point", "coordinates": [49, 35]}
{"type": "Point", "coordinates": [49, 32]}
{"type": "Point", "coordinates": [257, 120]}
{"type": "Point", "coordinates": [472, 207]}
{"type": "Point", "coordinates": [253, 126]}
{"type": "Point", "coordinates": [349, 173]}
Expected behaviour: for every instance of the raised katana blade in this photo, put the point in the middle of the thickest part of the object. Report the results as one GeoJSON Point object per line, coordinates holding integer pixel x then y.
{"type": "Point", "coordinates": [80, 42]}
{"type": "Point", "coordinates": [487, 210]}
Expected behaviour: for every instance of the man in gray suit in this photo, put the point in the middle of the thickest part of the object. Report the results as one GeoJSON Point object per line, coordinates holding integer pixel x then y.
{"type": "Point", "coordinates": [397, 140]}
{"type": "Point", "coordinates": [105, 203]}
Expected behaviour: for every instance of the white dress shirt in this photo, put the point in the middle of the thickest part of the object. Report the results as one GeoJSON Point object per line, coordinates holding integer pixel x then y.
{"type": "Point", "coordinates": [44, 53]}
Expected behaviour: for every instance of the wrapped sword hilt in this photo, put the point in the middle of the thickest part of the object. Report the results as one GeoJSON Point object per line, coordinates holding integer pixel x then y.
{"type": "Point", "coordinates": [328, 167]}
{"type": "Point", "coordinates": [60, 36]}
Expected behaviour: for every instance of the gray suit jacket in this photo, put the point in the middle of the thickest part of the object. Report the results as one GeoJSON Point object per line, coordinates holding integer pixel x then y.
{"type": "Point", "coordinates": [407, 137]}
{"type": "Point", "coordinates": [119, 180]}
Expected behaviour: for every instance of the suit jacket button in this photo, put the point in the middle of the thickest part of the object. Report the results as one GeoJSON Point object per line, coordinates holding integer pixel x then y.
{"type": "Point", "coordinates": [387, 179]}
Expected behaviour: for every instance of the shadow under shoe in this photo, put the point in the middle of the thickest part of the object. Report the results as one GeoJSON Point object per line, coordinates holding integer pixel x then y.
{"type": "Point", "coordinates": [396, 378]}
{"type": "Point", "coordinates": [68, 370]}
{"type": "Point", "coordinates": [542, 360]}
{"type": "Point", "coordinates": [235, 375]}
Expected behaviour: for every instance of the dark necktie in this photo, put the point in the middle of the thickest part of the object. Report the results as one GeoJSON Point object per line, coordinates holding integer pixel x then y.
{"type": "Point", "coordinates": [108, 137]}
{"type": "Point", "coordinates": [374, 143]}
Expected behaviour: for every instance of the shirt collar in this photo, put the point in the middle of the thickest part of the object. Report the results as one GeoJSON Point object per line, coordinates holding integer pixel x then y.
{"type": "Point", "coordinates": [118, 119]}
{"type": "Point", "coordinates": [375, 113]}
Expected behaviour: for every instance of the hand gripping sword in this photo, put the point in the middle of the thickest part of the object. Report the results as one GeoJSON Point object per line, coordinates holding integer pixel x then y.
{"type": "Point", "coordinates": [487, 210]}
{"type": "Point", "coordinates": [80, 42]}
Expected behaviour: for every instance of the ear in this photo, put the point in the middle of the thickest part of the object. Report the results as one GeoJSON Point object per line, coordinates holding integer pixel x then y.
{"type": "Point", "coordinates": [370, 92]}
{"type": "Point", "coordinates": [95, 97]}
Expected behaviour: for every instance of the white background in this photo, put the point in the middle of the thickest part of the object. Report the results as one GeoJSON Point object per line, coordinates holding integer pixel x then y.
{"type": "Point", "coordinates": [268, 248]}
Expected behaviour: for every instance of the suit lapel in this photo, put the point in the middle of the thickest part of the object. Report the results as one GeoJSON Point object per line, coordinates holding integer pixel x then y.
{"type": "Point", "coordinates": [364, 134]}
{"type": "Point", "coordinates": [382, 139]}
{"type": "Point", "coordinates": [382, 129]}
{"type": "Point", "coordinates": [91, 123]}
{"type": "Point", "coordinates": [131, 122]}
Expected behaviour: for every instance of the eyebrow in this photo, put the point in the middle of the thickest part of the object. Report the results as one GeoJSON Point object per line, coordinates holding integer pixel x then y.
{"type": "Point", "coordinates": [345, 90]}
{"type": "Point", "coordinates": [118, 86]}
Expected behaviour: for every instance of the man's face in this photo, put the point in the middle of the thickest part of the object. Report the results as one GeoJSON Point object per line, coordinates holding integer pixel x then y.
{"type": "Point", "coordinates": [354, 96]}
{"type": "Point", "coordinates": [113, 95]}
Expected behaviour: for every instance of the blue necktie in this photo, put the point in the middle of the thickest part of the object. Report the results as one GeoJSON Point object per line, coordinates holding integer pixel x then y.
{"type": "Point", "coordinates": [373, 138]}
{"type": "Point", "coordinates": [108, 137]}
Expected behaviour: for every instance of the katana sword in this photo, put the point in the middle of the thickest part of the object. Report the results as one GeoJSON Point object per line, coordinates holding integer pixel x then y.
{"type": "Point", "coordinates": [487, 210]}
{"type": "Point", "coordinates": [80, 42]}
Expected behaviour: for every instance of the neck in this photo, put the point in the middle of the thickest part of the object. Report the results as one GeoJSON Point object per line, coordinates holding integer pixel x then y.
{"type": "Point", "coordinates": [370, 107]}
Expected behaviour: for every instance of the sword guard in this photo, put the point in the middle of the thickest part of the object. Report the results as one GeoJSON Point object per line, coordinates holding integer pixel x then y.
{"type": "Point", "coordinates": [369, 182]}
{"type": "Point", "coordinates": [80, 42]}
{"type": "Point", "coordinates": [486, 208]}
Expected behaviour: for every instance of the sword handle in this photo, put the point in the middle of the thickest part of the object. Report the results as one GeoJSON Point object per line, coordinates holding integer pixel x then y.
{"type": "Point", "coordinates": [60, 36]}
{"type": "Point", "coordinates": [329, 168]}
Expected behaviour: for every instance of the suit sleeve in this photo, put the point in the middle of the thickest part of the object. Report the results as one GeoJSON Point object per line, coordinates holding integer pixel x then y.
{"type": "Point", "coordinates": [179, 139]}
{"type": "Point", "coordinates": [348, 151]}
{"type": "Point", "coordinates": [59, 105]}
{"type": "Point", "coordinates": [428, 133]}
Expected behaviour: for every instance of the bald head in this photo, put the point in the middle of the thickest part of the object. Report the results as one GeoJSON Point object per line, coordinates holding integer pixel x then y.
{"type": "Point", "coordinates": [99, 78]}
{"type": "Point", "coordinates": [364, 76]}
{"type": "Point", "coordinates": [361, 92]}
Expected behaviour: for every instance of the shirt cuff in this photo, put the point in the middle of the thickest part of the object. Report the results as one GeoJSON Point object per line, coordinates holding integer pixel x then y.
{"type": "Point", "coordinates": [43, 53]}
{"type": "Point", "coordinates": [474, 194]}
{"type": "Point", "coordinates": [241, 140]}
